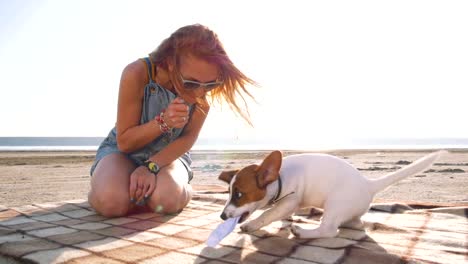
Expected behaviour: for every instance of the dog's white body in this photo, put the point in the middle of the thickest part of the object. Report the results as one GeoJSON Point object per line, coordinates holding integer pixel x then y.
{"type": "Point", "coordinates": [321, 181]}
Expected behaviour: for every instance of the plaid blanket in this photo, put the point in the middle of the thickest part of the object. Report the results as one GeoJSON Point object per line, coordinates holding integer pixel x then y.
{"type": "Point", "coordinates": [71, 232]}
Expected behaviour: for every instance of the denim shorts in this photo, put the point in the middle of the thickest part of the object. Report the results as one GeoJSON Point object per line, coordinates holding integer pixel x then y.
{"type": "Point", "coordinates": [108, 146]}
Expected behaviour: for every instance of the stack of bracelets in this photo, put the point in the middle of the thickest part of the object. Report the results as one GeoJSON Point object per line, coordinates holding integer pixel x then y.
{"type": "Point", "coordinates": [162, 124]}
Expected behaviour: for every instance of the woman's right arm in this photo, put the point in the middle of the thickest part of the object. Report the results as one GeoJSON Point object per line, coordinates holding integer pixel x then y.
{"type": "Point", "coordinates": [131, 135]}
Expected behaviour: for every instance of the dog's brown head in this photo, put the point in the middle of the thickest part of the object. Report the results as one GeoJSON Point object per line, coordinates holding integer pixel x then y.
{"type": "Point", "coordinates": [247, 186]}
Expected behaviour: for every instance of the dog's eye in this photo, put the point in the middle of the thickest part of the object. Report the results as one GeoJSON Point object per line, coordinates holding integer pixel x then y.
{"type": "Point", "coordinates": [237, 195]}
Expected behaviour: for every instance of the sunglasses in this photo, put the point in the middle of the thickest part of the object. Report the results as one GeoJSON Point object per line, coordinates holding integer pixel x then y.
{"type": "Point", "coordinates": [192, 85]}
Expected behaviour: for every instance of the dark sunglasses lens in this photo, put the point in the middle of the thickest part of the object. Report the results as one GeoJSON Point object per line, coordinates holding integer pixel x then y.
{"type": "Point", "coordinates": [191, 85]}
{"type": "Point", "coordinates": [212, 86]}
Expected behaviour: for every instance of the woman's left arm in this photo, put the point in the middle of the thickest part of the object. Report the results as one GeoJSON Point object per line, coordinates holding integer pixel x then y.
{"type": "Point", "coordinates": [185, 141]}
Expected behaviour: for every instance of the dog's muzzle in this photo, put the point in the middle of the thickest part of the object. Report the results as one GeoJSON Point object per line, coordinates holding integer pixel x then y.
{"type": "Point", "coordinates": [223, 216]}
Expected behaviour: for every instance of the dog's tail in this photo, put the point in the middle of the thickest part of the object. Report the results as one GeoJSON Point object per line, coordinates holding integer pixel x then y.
{"type": "Point", "coordinates": [417, 166]}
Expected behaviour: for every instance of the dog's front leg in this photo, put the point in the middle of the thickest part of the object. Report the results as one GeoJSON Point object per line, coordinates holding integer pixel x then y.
{"type": "Point", "coordinates": [279, 211]}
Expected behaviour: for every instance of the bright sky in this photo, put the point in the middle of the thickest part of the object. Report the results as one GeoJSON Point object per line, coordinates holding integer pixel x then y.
{"type": "Point", "coordinates": [328, 69]}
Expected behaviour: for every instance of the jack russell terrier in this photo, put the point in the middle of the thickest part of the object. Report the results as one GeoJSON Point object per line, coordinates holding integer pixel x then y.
{"type": "Point", "coordinates": [308, 180]}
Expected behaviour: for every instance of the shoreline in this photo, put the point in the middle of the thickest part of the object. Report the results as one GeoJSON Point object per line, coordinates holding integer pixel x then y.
{"type": "Point", "coordinates": [4, 153]}
{"type": "Point", "coordinates": [385, 148]}
{"type": "Point", "coordinates": [29, 177]}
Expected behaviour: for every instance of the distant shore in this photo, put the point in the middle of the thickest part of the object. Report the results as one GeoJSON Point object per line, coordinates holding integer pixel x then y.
{"type": "Point", "coordinates": [240, 144]}
{"type": "Point", "coordinates": [28, 177]}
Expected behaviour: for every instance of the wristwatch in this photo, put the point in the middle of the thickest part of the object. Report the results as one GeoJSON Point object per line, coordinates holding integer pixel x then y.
{"type": "Point", "coordinates": [152, 167]}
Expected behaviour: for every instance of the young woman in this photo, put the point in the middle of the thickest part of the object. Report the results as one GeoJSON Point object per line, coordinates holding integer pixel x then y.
{"type": "Point", "coordinates": [163, 102]}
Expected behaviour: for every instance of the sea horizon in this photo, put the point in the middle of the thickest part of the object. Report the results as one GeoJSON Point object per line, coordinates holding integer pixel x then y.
{"type": "Point", "coordinates": [219, 144]}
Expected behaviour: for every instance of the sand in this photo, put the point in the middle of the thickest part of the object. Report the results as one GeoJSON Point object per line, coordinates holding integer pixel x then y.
{"type": "Point", "coordinates": [39, 177]}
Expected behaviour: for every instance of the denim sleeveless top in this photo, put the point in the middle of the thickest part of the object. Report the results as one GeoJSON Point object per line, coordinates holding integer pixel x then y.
{"type": "Point", "coordinates": [156, 98]}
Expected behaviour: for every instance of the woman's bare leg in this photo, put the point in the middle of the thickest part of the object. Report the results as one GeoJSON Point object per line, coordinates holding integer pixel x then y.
{"type": "Point", "coordinates": [172, 191]}
{"type": "Point", "coordinates": [109, 194]}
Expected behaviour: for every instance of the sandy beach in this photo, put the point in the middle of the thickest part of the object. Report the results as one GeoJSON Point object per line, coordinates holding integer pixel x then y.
{"type": "Point", "coordinates": [38, 177]}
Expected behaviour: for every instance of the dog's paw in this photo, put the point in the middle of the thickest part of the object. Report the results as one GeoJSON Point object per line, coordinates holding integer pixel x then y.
{"type": "Point", "coordinates": [356, 224]}
{"type": "Point", "coordinates": [296, 230]}
{"type": "Point", "coordinates": [250, 227]}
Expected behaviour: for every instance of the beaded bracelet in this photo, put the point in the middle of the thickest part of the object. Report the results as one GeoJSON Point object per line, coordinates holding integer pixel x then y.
{"type": "Point", "coordinates": [162, 124]}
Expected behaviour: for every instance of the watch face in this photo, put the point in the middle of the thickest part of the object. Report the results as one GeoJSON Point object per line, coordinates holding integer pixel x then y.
{"type": "Point", "coordinates": [153, 167]}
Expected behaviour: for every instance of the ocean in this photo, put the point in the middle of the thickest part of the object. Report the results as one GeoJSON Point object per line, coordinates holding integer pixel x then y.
{"type": "Point", "coordinates": [91, 144]}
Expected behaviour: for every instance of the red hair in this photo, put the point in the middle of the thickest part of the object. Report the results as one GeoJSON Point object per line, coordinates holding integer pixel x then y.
{"type": "Point", "coordinates": [203, 43]}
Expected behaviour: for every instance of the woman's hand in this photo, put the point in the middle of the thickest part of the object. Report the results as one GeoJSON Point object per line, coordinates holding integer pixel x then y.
{"type": "Point", "coordinates": [142, 184]}
{"type": "Point", "coordinates": [177, 113]}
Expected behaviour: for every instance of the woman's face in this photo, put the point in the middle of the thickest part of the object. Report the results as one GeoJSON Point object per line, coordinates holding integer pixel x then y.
{"type": "Point", "coordinates": [196, 70]}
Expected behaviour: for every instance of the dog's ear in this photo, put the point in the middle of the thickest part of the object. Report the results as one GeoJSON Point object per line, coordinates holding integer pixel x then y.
{"type": "Point", "coordinates": [268, 171]}
{"type": "Point", "coordinates": [226, 176]}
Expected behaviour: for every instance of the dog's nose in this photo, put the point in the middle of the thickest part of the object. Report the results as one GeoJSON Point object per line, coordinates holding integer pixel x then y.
{"type": "Point", "coordinates": [223, 216]}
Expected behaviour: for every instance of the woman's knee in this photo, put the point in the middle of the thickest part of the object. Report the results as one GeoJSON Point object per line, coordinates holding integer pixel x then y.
{"type": "Point", "coordinates": [109, 186]}
{"type": "Point", "coordinates": [109, 203]}
{"type": "Point", "coordinates": [171, 203]}
{"type": "Point", "coordinates": [172, 192]}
